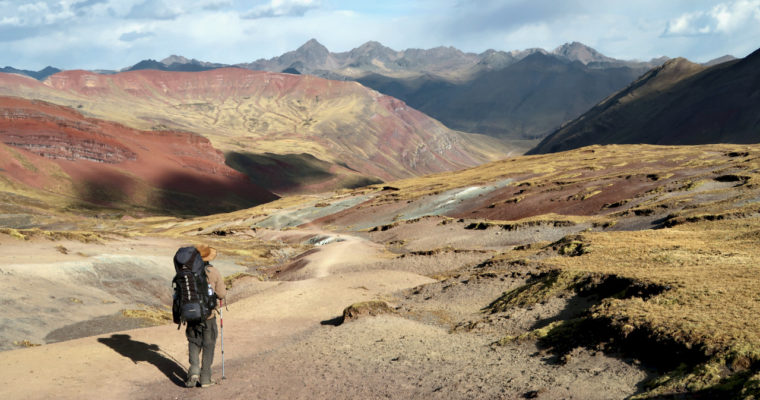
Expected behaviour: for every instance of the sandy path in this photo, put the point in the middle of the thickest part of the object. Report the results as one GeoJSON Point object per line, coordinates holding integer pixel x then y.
{"type": "Point", "coordinates": [121, 366]}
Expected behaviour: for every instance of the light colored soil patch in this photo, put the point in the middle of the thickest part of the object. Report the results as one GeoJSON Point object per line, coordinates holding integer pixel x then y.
{"type": "Point", "coordinates": [308, 212]}
{"type": "Point", "coordinates": [446, 202]}
{"type": "Point", "coordinates": [48, 285]}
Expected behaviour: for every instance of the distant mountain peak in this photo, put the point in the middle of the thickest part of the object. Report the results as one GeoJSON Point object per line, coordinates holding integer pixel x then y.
{"type": "Point", "coordinates": [577, 51]}
{"type": "Point", "coordinates": [373, 47]}
{"type": "Point", "coordinates": [174, 59]}
{"type": "Point", "coordinates": [542, 58]}
{"type": "Point", "coordinates": [526, 52]}
{"type": "Point", "coordinates": [311, 53]}
{"type": "Point", "coordinates": [372, 44]}
{"type": "Point", "coordinates": [312, 45]}
{"type": "Point", "coordinates": [147, 64]}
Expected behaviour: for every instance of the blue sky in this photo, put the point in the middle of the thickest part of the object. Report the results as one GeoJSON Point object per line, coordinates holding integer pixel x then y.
{"type": "Point", "coordinates": [112, 34]}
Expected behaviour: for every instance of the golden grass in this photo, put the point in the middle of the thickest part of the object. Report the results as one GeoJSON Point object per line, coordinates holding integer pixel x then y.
{"type": "Point", "coordinates": [551, 285]}
{"type": "Point", "coordinates": [29, 234]}
{"type": "Point", "coordinates": [714, 300]}
{"type": "Point", "coordinates": [25, 343]}
{"type": "Point", "coordinates": [150, 316]}
{"type": "Point", "coordinates": [710, 302]}
{"type": "Point", "coordinates": [533, 334]}
{"type": "Point", "coordinates": [14, 233]}
{"type": "Point", "coordinates": [706, 259]}
{"type": "Point", "coordinates": [366, 308]}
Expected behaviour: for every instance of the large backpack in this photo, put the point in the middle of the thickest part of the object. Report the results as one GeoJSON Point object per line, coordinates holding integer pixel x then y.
{"type": "Point", "coordinates": [194, 298]}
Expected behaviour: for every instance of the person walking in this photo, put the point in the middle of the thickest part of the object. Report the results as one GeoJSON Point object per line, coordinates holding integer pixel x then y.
{"type": "Point", "coordinates": [201, 336]}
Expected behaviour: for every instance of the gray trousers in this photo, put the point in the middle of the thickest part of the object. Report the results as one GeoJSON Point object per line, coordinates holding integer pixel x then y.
{"type": "Point", "coordinates": [201, 337]}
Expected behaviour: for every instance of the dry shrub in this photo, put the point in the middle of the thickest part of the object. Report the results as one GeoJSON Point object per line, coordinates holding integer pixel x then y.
{"type": "Point", "coordinates": [151, 316]}
{"type": "Point", "coordinates": [25, 343]}
{"type": "Point", "coordinates": [368, 308]}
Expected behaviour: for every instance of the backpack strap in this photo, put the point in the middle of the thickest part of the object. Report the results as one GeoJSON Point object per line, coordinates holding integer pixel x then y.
{"type": "Point", "coordinates": [175, 299]}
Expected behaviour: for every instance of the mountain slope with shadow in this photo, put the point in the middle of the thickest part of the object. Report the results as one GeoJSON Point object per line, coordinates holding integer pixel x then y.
{"type": "Point", "coordinates": [678, 103]}
{"type": "Point", "coordinates": [87, 162]}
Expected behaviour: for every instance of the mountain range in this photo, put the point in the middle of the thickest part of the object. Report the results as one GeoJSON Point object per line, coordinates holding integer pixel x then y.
{"type": "Point", "coordinates": [446, 62]}
{"type": "Point", "coordinates": [514, 95]}
{"type": "Point", "coordinates": [519, 94]}
{"type": "Point", "coordinates": [441, 80]}
{"type": "Point", "coordinates": [677, 103]}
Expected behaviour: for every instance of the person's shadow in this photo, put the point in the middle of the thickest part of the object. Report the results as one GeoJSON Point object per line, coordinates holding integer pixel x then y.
{"type": "Point", "coordinates": [139, 351]}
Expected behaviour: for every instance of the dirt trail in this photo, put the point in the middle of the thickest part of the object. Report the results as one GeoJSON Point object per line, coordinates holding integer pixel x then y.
{"type": "Point", "coordinates": [336, 252]}
{"type": "Point", "coordinates": [125, 364]}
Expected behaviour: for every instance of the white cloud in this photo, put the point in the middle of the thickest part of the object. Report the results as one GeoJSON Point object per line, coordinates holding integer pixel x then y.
{"type": "Point", "coordinates": [135, 35]}
{"type": "Point", "coordinates": [41, 13]}
{"type": "Point", "coordinates": [721, 19]}
{"type": "Point", "coordinates": [99, 33]}
{"type": "Point", "coordinates": [283, 8]}
{"type": "Point", "coordinates": [215, 5]}
{"type": "Point", "coordinates": [82, 6]}
{"type": "Point", "coordinates": [10, 21]}
{"type": "Point", "coordinates": [741, 14]}
{"type": "Point", "coordinates": [154, 9]}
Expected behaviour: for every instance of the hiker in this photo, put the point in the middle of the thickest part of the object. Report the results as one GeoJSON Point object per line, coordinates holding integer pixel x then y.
{"type": "Point", "coordinates": [201, 334]}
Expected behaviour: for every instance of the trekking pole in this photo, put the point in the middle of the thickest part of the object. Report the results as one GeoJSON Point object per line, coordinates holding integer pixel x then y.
{"type": "Point", "coordinates": [221, 324]}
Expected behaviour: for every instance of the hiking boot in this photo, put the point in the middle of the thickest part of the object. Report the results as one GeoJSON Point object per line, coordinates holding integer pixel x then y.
{"type": "Point", "coordinates": [207, 384]}
{"type": "Point", "coordinates": [192, 381]}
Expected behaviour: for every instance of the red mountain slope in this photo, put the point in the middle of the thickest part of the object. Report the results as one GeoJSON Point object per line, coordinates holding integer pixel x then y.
{"type": "Point", "coordinates": [56, 149]}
